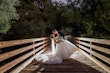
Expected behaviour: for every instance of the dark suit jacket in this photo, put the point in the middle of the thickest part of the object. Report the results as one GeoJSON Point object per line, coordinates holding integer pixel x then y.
{"type": "Point", "coordinates": [61, 33]}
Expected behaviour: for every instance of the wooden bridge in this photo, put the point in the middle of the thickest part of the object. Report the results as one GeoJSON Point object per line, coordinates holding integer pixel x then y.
{"type": "Point", "coordinates": [18, 56]}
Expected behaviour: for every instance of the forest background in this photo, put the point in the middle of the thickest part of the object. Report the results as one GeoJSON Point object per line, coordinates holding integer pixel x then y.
{"type": "Point", "coordinates": [21, 19]}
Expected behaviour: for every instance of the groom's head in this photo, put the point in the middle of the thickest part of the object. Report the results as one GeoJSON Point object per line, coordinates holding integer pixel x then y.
{"type": "Point", "coordinates": [54, 31]}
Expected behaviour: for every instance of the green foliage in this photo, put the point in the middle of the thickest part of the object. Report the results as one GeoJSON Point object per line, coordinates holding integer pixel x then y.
{"type": "Point", "coordinates": [30, 25]}
{"type": "Point", "coordinates": [7, 14]}
{"type": "Point", "coordinates": [89, 18]}
{"type": "Point", "coordinates": [66, 30]}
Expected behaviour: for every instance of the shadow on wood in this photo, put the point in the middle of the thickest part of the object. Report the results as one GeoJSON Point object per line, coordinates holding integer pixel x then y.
{"type": "Point", "coordinates": [67, 66]}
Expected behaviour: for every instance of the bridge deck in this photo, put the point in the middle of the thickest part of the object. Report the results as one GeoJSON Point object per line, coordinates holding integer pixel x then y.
{"type": "Point", "coordinates": [77, 63]}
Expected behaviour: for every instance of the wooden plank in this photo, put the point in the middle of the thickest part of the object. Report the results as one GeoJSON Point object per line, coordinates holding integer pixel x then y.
{"type": "Point", "coordinates": [19, 42]}
{"type": "Point", "coordinates": [106, 59]}
{"type": "Point", "coordinates": [16, 61]}
{"type": "Point", "coordinates": [102, 49]}
{"type": "Point", "coordinates": [40, 52]}
{"type": "Point", "coordinates": [18, 51]}
{"type": "Point", "coordinates": [101, 41]}
{"type": "Point", "coordinates": [22, 66]}
{"type": "Point", "coordinates": [106, 68]}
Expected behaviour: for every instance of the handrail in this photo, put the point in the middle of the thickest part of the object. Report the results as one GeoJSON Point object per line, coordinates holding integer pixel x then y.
{"type": "Point", "coordinates": [89, 47]}
{"type": "Point", "coordinates": [26, 53]}
{"type": "Point", "coordinates": [19, 42]}
{"type": "Point", "coordinates": [101, 41]}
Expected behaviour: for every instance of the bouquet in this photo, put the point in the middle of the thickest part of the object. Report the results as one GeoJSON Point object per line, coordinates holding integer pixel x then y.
{"type": "Point", "coordinates": [58, 39]}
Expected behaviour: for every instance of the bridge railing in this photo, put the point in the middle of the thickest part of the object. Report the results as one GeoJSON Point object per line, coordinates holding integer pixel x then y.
{"type": "Point", "coordinates": [98, 50]}
{"type": "Point", "coordinates": [17, 54]}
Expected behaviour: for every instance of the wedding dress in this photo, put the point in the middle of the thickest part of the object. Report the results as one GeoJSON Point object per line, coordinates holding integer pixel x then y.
{"type": "Point", "coordinates": [62, 50]}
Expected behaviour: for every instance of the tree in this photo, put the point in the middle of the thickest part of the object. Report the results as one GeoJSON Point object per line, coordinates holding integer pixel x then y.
{"type": "Point", "coordinates": [102, 18]}
{"type": "Point", "coordinates": [32, 23]}
{"type": "Point", "coordinates": [83, 18]}
{"type": "Point", "coordinates": [8, 14]}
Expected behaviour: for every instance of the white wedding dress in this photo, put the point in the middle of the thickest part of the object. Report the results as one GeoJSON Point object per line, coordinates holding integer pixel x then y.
{"type": "Point", "coordinates": [62, 50]}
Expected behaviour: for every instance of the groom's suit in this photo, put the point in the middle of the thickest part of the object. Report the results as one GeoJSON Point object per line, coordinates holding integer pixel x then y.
{"type": "Point", "coordinates": [62, 34]}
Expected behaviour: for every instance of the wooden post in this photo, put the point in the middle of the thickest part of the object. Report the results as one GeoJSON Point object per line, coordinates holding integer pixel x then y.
{"type": "Point", "coordinates": [33, 48]}
{"type": "Point", "coordinates": [90, 48]}
{"type": "Point", "coordinates": [79, 43]}
{"type": "Point", "coordinates": [43, 42]}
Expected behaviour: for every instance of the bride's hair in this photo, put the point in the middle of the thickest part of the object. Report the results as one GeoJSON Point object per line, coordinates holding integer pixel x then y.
{"type": "Point", "coordinates": [54, 30]}
{"type": "Point", "coordinates": [52, 36]}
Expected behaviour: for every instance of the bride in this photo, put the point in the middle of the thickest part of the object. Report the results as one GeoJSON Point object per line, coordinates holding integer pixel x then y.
{"type": "Point", "coordinates": [60, 49]}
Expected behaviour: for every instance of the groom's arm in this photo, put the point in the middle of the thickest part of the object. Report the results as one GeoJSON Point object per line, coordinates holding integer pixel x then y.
{"type": "Point", "coordinates": [62, 34]}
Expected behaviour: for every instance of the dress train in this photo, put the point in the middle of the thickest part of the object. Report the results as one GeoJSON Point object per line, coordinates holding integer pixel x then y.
{"type": "Point", "coordinates": [61, 51]}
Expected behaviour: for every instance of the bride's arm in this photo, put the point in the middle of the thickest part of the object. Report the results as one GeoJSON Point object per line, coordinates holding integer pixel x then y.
{"type": "Point", "coordinates": [55, 40]}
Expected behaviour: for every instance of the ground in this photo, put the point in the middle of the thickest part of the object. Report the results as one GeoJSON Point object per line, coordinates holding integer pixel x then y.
{"type": "Point", "coordinates": [77, 63]}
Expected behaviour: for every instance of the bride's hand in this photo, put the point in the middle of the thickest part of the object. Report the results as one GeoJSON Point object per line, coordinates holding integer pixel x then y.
{"type": "Point", "coordinates": [57, 41]}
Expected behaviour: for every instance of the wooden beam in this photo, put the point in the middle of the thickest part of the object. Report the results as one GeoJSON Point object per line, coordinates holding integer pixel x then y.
{"type": "Point", "coordinates": [18, 60]}
{"type": "Point", "coordinates": [22, 66]}
{"type": "Point", "coordinates": [103, 58]}
{"type": "Point", "coordinates": [102, 49]}
{"type": "Point", "coordinates": [18, 51]}
{"type": "Point", "coordinates": [106, 68]}
{"type": "Point", "coordinates": [100, 41]}
{"type": "Point", "coordinates": [19, 42]}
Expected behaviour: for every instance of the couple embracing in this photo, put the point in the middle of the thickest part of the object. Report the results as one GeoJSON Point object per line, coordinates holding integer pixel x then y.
{"type": "Point", "coordinates": [60, 49]}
